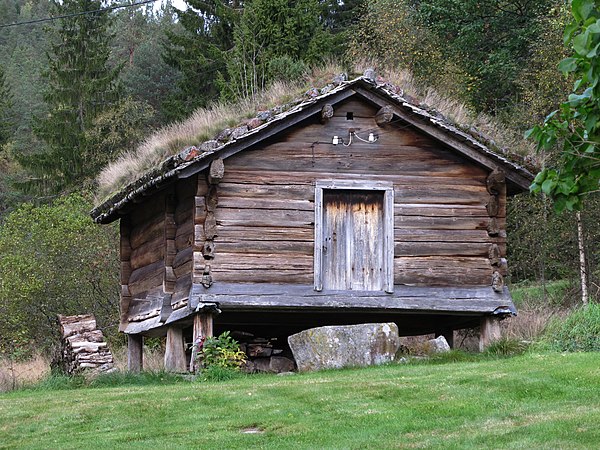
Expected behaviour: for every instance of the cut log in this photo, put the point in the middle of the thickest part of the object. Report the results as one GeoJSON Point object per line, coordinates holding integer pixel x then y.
{"type": "Point", "coordinates": [326, 113]}
{"type": "Point", "coordinates": [216, 171]}
{"type": "Point", "coordinates": [497, 282]}
{"type": "Point", "coordinates": [496, 182]}
{"type": "Point", "coordinates": [211, 199]}
{"type": "Point", "coordinates": [384, 115]}
{"type": "Point", "coordinates": [70, 325]}
{"type": "Point", "coordinates": [492, 206]}
{"type": "Point", "coordinates": [210, 226]}
{"type": "Point", "coordinates": [494, 255]}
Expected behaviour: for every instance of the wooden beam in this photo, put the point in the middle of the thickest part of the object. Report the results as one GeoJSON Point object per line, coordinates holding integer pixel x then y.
{"type": "Point", "coordinates": [135, 345]}
{"type": "Point", "coordinates": [490, 332]}
{"type": "Point", "coordinates": [175, 359]}
{"type": "Point", "coordinates": [216, 171]}
{"type": "Point", "coordinates": [384, 116]}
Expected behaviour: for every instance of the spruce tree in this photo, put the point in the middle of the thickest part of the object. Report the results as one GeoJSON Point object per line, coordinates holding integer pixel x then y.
{"type": "Point", "coordinates": [6, 122]}
{"type": "Point", "coordinates": [80, 86]}
{"type": "Point", "coordinates": [199, 52]}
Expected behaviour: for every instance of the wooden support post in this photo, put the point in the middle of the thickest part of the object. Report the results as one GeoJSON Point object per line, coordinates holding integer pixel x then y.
{"type": "Point", "coordinates": [135, 346]}
{"type": "Point", "coordinates": [448, 335]}
{"type": "Point", "coordinates": [175, 351]}
{"type": "Point", "coordinates": [203, 328]}
{"type": "Point", "coordinates": [490, 331]}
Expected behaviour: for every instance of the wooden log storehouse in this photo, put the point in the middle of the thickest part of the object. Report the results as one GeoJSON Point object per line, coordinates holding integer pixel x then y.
{"type": "Point", "coordinates": [354, 205]}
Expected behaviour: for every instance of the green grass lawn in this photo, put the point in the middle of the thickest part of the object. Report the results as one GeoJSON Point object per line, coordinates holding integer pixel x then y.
{"type": "Point", "coordinates": [530, 401]}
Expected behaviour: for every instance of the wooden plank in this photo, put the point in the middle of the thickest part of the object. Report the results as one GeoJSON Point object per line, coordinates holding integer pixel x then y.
{"type": "Point", "coordinates": [430, 235]}
{"type": "Point", "coordinates": [147, 210]}
{"type": "Point", "coordinates": [243, 234]}
{"type": "Point", "coordinates": [442, 271]}
{"type": "Point", "coordinates": [148, 253]}
{"type": "Point", "coordinates": [124, 242]}
{"type": "Point", "coordinates": [437, 210]}
{"type": "Point", "coordinates": [147, 277]}
{"type": "Point", "coordinates": [243, 181]}
{"type": "Point", "coordinates": [235, 217]}
{"type": "Point", "coordinates": [274, 247]}
{"type": "Point", "coordinates": [147, 231]}
{"type": "Point", "coordinates": [265, 203]}
{"type": "Point", "coordinates": [481, 300]}
{"type": "Point", "coordinates": [183, 257]}
{"type": "Point", "coordinates": [244, 275]}
{"type": "Point", "coordinates": [184, 236]}
{"type": "Point", "coordinates": [257, 261]}
{"type": "Point", "coordinates": [441, 223]}
{"type": "Point", "coordinates": [476, 249]}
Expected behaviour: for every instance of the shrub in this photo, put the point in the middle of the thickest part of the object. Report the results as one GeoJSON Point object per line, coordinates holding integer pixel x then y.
{"type": "Point", "coordinates": [578, 332]}
{"type": "Point", "coordinates": [223, 352]}
{"type": "Point", "coordinates": [506, 347]}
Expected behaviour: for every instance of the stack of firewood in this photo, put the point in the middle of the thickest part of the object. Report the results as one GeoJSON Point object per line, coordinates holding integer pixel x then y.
{"type": "Point", "coordinates": [263, 354]}
{"type": "Point", "coordinates": [83, 346]}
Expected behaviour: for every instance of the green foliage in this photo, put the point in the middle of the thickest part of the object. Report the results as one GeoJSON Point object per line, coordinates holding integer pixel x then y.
{"type": "Point", "coordinates": [491, 41]}
{"type": "Point", "coordinates": [198, 52]}
{"type": "Point", "coordinates": [575, 126]}
{"type": "Point", "coordinates": [274, 39]}
{"type": "Point", "coordinates": [116, 130]}
{"type": "Point", "coordinates": [81, 86]}
{"type": "Point", "coordinates": [220, 373]}
{"type": "Point", "coordinates": [221, 352]}
{"type": "Point", "coordinates": [578, 332]}
{"type": "Point", "coordinates": [6, 125]}
{"type": "Point", "coordinates": [139, 33]}
{"type": "Point", "coordinates": [506, 347]}
{"type": "Point", "coordinates": [54, 260]}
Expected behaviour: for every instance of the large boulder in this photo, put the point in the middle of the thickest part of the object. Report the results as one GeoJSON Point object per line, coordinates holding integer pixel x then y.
{"type": "Point", "coordinates": [334, 347]}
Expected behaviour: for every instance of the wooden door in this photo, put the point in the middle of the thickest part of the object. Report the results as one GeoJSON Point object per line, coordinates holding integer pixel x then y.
{"type": "Point", "coordinates": [353, 240]}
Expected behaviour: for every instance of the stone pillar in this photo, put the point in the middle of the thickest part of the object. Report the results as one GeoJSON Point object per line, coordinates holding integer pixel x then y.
{"type": "Point", "coordinates": [175, 360]}
{"type": "Point", "coordinates": [490, 331]}
{"type": "Point", "coordinates": [135, 345]}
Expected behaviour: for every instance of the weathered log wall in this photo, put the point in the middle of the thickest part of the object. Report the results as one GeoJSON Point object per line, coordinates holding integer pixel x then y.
{"type": "Point", "coordinates": [156, 253]}
{"type": "Point", "coordinates": [265, 214]}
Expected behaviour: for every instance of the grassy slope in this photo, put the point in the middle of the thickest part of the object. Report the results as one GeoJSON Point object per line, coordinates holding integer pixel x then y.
{"type": "Point", "coordinates": [532, 401]}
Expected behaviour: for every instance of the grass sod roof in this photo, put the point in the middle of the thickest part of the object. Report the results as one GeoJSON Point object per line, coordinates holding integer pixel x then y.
{"type": "Point", "coordinates": [188, 159]}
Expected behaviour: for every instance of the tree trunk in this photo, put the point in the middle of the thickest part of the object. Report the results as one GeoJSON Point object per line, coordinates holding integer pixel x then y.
{"type": "Point", "coordinates": [582, 260]}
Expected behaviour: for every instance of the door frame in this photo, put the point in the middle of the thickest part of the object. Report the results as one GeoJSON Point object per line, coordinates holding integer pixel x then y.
{"type": "Point", "coordinates": [388, 225]}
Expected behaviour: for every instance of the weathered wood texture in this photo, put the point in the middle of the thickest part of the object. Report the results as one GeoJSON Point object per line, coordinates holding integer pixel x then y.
{"type": "Point", "coordinates": [265, 216]}
{"type": "Point", "coordinates": [175, 359]}
{"type": "Point", "coordinates": [135, 355]}
{"type": "Point", "coordinates": [489, 332]}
